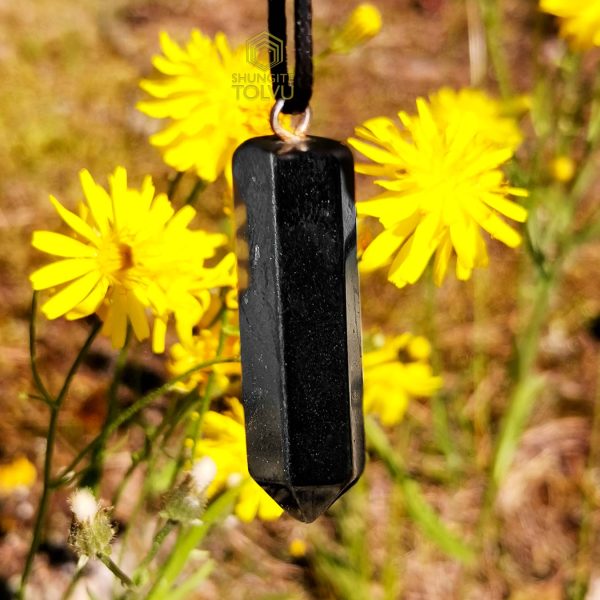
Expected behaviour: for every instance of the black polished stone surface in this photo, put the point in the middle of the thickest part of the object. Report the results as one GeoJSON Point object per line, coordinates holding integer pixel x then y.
{"type": "Point", "coordinates": [299, 320]}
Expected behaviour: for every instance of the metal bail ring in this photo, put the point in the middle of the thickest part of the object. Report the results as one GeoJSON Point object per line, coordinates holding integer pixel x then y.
{"type": "Point", "coordinates": [291, 137]}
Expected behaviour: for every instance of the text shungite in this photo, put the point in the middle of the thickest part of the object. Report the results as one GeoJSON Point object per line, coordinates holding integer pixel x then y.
{"type": "Point", "coordinates": [299, 320]}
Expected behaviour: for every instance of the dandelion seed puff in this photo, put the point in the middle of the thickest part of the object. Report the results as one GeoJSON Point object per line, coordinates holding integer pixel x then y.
{"type": "Point", "coordinates": [203, 473]}
{"type": "Point", "coordinates": [84, 505]}
{"type": "Point", "coordinates": [363, 23]}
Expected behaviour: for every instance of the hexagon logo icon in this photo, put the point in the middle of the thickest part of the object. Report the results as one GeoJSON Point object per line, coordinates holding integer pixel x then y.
{"type": "Point", "coordinates": [259, 49]}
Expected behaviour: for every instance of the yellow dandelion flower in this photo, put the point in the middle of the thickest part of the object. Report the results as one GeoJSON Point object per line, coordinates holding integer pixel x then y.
{"type": "Point", "coordinates": [224, 440]}
{"type": "Point", "coordinates": [214, 99]}
{"type": "Point", "coordinates": [493, 116]}
{"type": "Point", "coordinates": [200, 348]}
{"type": "Point", "coordinates": [298, 548]}
{"type": "Point", "coordinates": [396, 372]}
{"type": "Point", "coordinates": [186, 293]}
{"type": "Point", "coordinates": [562, 168]}
{"type": "Point", "coordinates": [579, 21]}
{"type": "Point", "coordinates": [17, 475]}
{"type": "Point", "coordinates": [128, 251]}
{"type": "Point", "coordinates": [363, 23]}
{"type": "Point", "coordinates": [443, 183]}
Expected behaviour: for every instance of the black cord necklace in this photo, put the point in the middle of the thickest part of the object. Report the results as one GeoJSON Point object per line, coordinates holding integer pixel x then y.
{"type": "Point", "coordinates": [299, 296]}
{"type": "Point", "coordinates": [296, 97]}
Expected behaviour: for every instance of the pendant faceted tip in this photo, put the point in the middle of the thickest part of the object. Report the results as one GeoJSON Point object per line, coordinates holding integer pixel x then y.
{"type": "Point", "coordinates": [299, 320]}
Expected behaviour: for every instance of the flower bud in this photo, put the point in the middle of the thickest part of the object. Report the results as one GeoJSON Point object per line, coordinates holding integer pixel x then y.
{"type": "Point", "coordinates": [185, 503]}
{"type": "Point", "coordinates": [16, 476]}
{"type": "Point", "coordinates": [419, 348]}
{"type": "Point", "coordinates": [363, 24]}
{"type": "Point", "coordinates": [297, 548]}
{"type": "Point", "coordinates": [562, 169]}
{"type": "Point", "coordinates": [92, 531]}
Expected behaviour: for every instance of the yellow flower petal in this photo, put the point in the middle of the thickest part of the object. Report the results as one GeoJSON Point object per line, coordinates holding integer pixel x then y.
{"type": "Point", "coordinates": [60, 272]}
{"type": "Point", "coordinates": [268, 509]}
{"type": "Point", "coordinates": [91, 303]}
{"type": "Point", "coordinates": [509, 209]}
{"type": "Point", "coordinates": [394, 374]}
{"type": "Point", "coordinates": [246, 508]}
{"type": "Point", "coordinates": [137, 315]}
{"type": "Point", "coordinates": [69, 297]}
{"type": "Point", "coordinates": [579, 21]}
{"type": "Point", "coordinates": [77, 224]}
{"type": "Point", "coordinates": [115, 325]}
{"type": "Point", "coordinates": [380, 250]}
{"type": "Point", "coordinates": [495, 226]}
{"type": "Point", "coordinates": [388, 207]}
{"type": "Point", "coordinates": [442, 258]}
{"type": "Point", "coordinates": [374, 153]}
{"type": "Point", "coordinates": [419, 249]}
{"type": "Point", "coordinates": [58, 244]}
{"type": "Point", "coordinates": [97, 200]}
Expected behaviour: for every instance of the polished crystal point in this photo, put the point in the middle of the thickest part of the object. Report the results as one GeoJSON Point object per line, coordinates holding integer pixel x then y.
{"type": "Point", "coordinates": [299, 320]}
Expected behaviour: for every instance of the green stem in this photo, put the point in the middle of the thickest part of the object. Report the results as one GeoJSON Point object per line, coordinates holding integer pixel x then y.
{"type": "Point", "coordinates": [523, 396]}
{"type": "Point", "coordinates": [187, 541]}
{"type": "Point", "coordinates": [157, 542]}
{"type": "Point", "coordinates": [567, 127]}
{"type": "Point", "coordinates": [174, 182]}
{"type": "Point", "coordinates": [193, 195]}
{"type": "Point", "coordinates": [482, 408]}
{"type": "Point", "coordinates": [492, 20]}
{"type": "Point", "coordinates": [190, 585]}
{"type": "Point", "coordinates": [158, 438]}
{"type": "Point", "coordinates": [136, 407]}
{"type": "Point", "coordinates": [55, 407]}
{"type": "Point", "coordinates": [417, 507]}
{"type": "Point", "coordinates": [73, 583]}
{"type": "Point", "coordinates": [188, 403]}
{"type": "Point", "coordinates": [93, 472]}
{"type": "Point", "coordinates": [37, 380]}
{"type": "Point", "coordinates": [204, 404]}
{"type": "Point", "coordinates": [115, 570]}
{"type": "Point", "coordinates": [43, 505]}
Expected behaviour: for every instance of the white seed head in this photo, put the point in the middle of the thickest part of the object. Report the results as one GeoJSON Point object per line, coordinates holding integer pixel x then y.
{"type": "Point", "coordinates": [84, 505]}
{"type": "Point", "coordinates": [203, 473]}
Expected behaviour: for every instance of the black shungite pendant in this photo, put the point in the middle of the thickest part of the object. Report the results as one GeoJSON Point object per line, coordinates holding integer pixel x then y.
{"type": "Point", "coordinates": [299, 320]}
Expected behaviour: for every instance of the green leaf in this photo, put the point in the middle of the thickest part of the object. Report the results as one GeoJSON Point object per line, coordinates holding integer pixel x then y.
{"type": "Point", "coordinates": [348, 584]}
{"type": "Point", "coordinates": [417, 507]}
{"type": "Point", "coordinates": [188, 541]}
{"type": "Point", "coordinates": [431, 525]}
{"type": "Point", "coordinates": [192, 583]}
{"type": "Point", "coordinates": [515, 420]}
